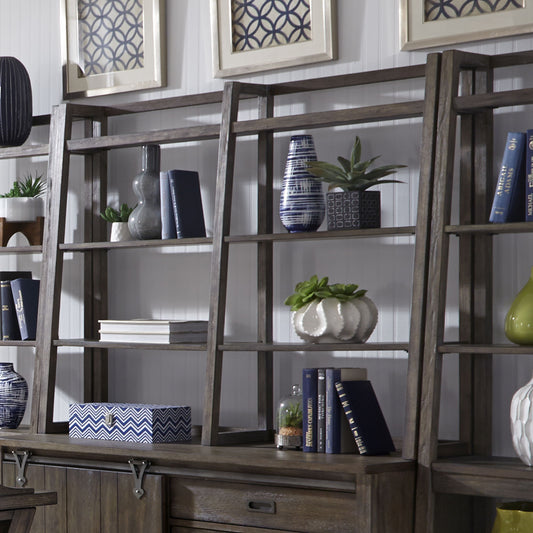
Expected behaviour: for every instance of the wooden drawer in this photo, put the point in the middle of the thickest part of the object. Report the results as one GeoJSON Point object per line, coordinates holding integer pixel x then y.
{"type": "Point", "coordinates": [283, 508]}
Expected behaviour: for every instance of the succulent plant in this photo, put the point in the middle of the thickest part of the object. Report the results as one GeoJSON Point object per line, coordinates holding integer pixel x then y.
{"type": "Point", "coordinates": [30, 187]}
{"type": "Point", "coordinates": [292, 416]}
{"type": "Point", "coordinates": [318, 289]}
{"type": "Point", "coordinates": [352, 174]}
{"type": "Point", "coordinates": [113, 215]}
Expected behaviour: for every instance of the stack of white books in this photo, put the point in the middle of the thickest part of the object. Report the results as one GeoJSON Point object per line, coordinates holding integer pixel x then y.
{"type": "Point", "coordinates": [152, 331]}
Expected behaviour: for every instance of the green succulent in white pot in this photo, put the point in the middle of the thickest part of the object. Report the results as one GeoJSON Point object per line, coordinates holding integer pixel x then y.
{"type": "Point", "coordinates": [118, 218]}
{"type": "Point", "coordinates": [354, 206]}
{"type": "Point", "coordinates": [24, 201]}
{"type": "Point", "coordinates": [323, 312]}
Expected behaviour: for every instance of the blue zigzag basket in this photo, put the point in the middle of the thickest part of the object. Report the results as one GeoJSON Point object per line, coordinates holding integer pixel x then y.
{"type": "Point", "coordinates": [130, 422]}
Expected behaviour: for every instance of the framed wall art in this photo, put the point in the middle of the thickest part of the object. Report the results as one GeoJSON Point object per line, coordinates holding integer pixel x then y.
{"type": "Point", "coordinates": [253, 36]}
{"type": "Point", "coordinates": [431, 23]}
{"type": "Point", "coordinates": [110, 47]}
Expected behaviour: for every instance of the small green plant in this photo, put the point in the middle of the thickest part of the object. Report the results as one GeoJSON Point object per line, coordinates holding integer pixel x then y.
{"type": "Point", "coordinates": [30, 187]}
{"type": "Point", "coordinates": [291, 417]}
{"type": "Point", "coordinates": [352, 174]}
{"type": "Point", "coordinates": [318, 289]}
{"type": "Point", "coordinates": [121, 215]}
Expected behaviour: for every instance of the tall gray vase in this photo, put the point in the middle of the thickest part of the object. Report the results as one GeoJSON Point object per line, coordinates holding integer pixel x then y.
{"type": "Point", "coordinates": [145, 220]}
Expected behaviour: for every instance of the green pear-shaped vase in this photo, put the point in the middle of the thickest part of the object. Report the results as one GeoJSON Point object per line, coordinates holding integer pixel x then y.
{"type": "Point", "coordinates": [519, 319]}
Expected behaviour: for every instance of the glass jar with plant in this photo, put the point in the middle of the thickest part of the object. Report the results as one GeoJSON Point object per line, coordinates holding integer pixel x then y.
{"type": "Point", "coordinates": [289, 426]}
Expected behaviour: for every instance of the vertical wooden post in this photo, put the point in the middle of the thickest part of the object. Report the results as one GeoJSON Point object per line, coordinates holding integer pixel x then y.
{"type": "Point", "coordinates": [265, 209]}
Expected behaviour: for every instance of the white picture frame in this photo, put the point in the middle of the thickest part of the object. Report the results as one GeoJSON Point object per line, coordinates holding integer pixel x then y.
{"type": "Point", "coordinates": [319, 46]}
{"type": "Point", "coordinates": [416, 33]}
{"type": "Point", "coordinates": [87, 71]}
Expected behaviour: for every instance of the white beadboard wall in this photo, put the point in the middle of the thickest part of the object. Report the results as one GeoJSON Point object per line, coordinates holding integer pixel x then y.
{"type": "Point", "coordinates": [160, 283]}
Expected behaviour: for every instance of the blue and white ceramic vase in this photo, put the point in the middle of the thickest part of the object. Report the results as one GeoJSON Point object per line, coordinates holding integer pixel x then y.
{"type": "Point", "coordinates": [15, 102]}
{"type": "Point", "coordinates": [145, 220]}
{"type": "Point", "coordinates": [13, 397]}
{"type": "Point", "coordinates": [302, 206]}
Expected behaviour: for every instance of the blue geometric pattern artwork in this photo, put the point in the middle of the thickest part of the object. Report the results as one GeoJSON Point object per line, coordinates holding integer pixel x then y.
{"type": "Point", "coordinates": [258, 24]}
{"type": "Point", "coordinates": [448, 9]}
{"type": "Point", "coordinates": [110, 35]}
{"type": "Point", "coordinates": [130, 422]}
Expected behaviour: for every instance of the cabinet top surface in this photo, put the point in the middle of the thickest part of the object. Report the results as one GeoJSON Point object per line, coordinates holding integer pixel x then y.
{"type": "Point", "coordinates": [253, 459]}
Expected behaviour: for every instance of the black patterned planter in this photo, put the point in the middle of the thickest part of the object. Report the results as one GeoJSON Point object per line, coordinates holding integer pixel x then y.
{"type": "Point", "coordinates": [353, 210]}
{"type": "Point", "coordinates": [15, 102]}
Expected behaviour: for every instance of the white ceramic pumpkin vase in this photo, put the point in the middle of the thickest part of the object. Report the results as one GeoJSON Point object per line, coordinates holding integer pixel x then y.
{"type": "Point", "coordinates": [522, 422]}
{"type": "Point", "coordinates": [330, 320]}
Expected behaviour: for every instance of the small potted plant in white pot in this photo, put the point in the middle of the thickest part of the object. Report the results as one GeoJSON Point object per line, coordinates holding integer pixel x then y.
{"type": "Point", "coordinates": [24, 202]}
{"type": "Point", "coordinates": [354, 207]}
{"type": "Point", "coordinates": [331, 313]}
{"type": "Point", "coordinates": [119, 222]}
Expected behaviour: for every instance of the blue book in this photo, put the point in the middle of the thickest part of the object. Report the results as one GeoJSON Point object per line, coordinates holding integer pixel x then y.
{"type": "Point", "coordinates": [187, 203]}
{"type": "Point", "coordinates": [529, 175]}
{"type": "Point", "coordinates": [365, 417]}
{"type": "Point", "coordinates": [168, 225]}
{"type": "Point", "coordinates": [508, 202]}
{"type": "Point", "coordinates": [339, 437]}
{"type": "Point", "coordinates": [10, 326]}
{"type": "Point", "coordinates": [309, 401]}
{"type": "Point", "coordinates": [26, 297]}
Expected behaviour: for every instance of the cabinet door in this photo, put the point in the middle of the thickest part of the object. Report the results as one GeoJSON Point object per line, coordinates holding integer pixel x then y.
{"type": "Point", "coordinates": [93, 500]}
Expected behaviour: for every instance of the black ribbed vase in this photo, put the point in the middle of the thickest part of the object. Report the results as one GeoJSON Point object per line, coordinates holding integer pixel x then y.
{"type": "Point", "coordinates": [15, 102]}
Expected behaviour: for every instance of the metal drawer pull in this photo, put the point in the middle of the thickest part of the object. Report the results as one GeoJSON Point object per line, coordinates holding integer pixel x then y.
{"type": "Point", "coordinates": [262, 507]}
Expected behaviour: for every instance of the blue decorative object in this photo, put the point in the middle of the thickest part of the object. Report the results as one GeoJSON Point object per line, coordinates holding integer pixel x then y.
{"type": "Point", "coordinates": [130, 422]}
{"type": "Point", "coordinates": [449, 9]}
{"type": "Point", "coordinates": [258, 24]}
{"type": "Point", "coordinates": [111, 35]}
{"type": "Point", "coordinates": [302, 206]}
{"type": "Point", "coordinates": [145, 220]}
{"type": "Point", "coordinates": [15, 102]}
{"type": "Point", "coordinates": [13, 397]}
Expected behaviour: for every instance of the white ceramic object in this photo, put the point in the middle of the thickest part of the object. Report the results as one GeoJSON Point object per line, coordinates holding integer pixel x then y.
{"type": "Point", "coordinates": [120, 232]}
{"type": "Point", "coordinates": [330, 320]}
{"type": "Point", "coordinates": [21, 209]}
{"type": "Point", "coordinates": [522, 422]}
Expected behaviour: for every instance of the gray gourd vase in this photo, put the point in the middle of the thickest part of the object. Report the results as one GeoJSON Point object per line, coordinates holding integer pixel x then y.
{"type": "Point", "coordinates": [145, 220]}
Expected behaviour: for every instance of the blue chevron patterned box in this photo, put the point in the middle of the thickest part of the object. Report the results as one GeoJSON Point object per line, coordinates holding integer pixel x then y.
{"type": "Point", "coordinates": [130, 422]}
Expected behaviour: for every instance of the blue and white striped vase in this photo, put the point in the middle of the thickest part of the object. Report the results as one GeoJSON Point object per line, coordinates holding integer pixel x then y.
{"type": "Point", "coordinates": [302, 206]}
{"type": "Point", "coordinates": [13, 397]}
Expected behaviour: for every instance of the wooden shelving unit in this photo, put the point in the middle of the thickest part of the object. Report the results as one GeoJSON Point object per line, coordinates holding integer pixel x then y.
{"type": "Point", "coordinates": [370, 494]}
{"type": "Point", "coordinates": [94, 146]}
{"type": "Point", "coordinates": [467, 94]}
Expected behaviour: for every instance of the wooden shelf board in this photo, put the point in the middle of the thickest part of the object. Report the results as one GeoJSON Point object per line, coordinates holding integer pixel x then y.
{"type": "Point", "coordinates": [30, 150]}
{"type": "Point", "coordinates": [456, 348]}
{"type": "Point", "coordinates": [21, 249]}
{"type": "Point", "coordinates": [343, 234]}
{"type": "Point", "coordinates": [490, 229]}
{"type": "Point", "coordinates": [326, 119]}
{"type": "Point", "coordinates": [307, 347]}
{"type": "Point", "coordinates": [28, 344]}
{"type": "Point", "coordinates": [174, 135]}
{"type": "Point", "coordinates": [318, 119]}
{"type": "Point", "coordinates": [482, 102]}
{"type": "Point", "coordinates": [156, 243]}
{"type": "Point", "coordinates": [262, 459]}
{"type": "Point", "coordinates": [498, 477]}
{"type": "Point", "coordinates": [84, 343]}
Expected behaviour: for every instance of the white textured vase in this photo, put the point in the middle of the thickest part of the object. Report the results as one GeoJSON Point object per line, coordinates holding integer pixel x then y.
{"type": "Point", "coordinates": [522, 422]}
{"type": "Point", "coordinates": [331, 320]}
{"type": "Point", "coordinates": [120, 232]}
